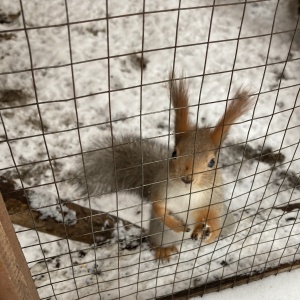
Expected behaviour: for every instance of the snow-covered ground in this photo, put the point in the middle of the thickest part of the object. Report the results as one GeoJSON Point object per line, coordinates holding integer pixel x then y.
{"type": "Point", "coordinates": [281, 287]}
{"type": "Point", "coordinates": [264, 236]}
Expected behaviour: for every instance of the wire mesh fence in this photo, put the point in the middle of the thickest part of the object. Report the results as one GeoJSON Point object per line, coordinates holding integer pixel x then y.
{"type": "Point", "coordinates": [120, 189]}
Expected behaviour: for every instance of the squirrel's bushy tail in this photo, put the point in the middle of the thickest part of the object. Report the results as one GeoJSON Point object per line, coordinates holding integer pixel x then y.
{"type": "Point", "coordinates": [129, 166]}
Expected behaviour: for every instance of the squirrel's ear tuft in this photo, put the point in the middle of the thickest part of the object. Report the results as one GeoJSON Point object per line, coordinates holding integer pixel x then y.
{"type": "Point", "coordinates": [240, 105]}
{"type": "Point", "coordinates": [179, 96]}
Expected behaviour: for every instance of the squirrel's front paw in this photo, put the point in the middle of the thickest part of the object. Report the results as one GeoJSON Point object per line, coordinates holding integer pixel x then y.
{"type": "Point", "coordinates": [181, 228]}
{"type": "Point", "coordinates": [176, 224]}
{"type": "Point", "coordinates": [201, 231]}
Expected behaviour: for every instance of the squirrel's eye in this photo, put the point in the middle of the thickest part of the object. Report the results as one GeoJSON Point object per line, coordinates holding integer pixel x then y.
{"type": "Point", "coordinates": [174, 153]}
{"type": "Point", "coordinates": [211, 163]}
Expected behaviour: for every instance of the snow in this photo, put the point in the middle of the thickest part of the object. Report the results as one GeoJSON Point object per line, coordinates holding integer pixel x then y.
{"type": "Point", "coordinates": [48, 206]}
{"type": "Point", "coordinates": [49, 127]}
{"type": "Point", "coordinates": [280, 287]}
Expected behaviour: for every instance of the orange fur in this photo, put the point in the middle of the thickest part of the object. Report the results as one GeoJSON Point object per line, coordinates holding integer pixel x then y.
{"type": "Point", "coordinates": [235, 109]}
{"type": "Point", "coordinates": [164, 253]}
{"type": "Point", "coordinates": [164, 214]}
{"type": "Point", "coordinates": [207, 225]}
{"type": "Point", "coordinates": [179, 96]}
{"type": "Point", "coordinates": [191, 164]}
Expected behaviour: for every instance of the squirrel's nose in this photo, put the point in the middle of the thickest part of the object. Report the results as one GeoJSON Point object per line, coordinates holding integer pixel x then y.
{"type": "Point", "coordinates": [187, 179]}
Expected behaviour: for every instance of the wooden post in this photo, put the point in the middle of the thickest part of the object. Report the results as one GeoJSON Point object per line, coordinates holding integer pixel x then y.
{"type": "Point", "coordinates": [15, 279]}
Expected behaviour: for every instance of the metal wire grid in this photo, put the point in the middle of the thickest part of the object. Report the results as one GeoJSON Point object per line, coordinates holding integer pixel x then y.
{"type": "Point", "coordinates": [32, 70]}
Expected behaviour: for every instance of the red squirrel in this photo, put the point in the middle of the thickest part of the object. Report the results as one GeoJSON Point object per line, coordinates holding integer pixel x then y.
{"type": "Point", "coordinates": [185, 188]}
{"type": "Point", "coordinates": [191, 203]}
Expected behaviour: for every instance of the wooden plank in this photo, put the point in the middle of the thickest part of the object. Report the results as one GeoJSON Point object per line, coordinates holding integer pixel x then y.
{"type": "Point", "coordinates": [16, 282]}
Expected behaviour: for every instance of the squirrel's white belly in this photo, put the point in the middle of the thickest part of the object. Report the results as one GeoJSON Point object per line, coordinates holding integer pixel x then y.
{"type": "Point", "coordinates": [181, 201]}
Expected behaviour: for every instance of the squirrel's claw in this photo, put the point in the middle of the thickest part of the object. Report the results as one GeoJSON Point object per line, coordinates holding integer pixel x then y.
{"type": "Point", "coordinates": [201, 231]}
{"type": "Point", "coordinates": [187, 229]}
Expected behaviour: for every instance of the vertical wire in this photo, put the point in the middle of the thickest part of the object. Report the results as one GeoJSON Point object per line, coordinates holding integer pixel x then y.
{"type": "Point", "coordinates": [247, 137]}
{"type": "Point", "coordinates": [169, 133]}
{"type": "Point", "coordinates": [173, 73]}
{"type": "Point", "coordinates": [226, 105]}
{"type": "Point", "coordinates": [289, 236]}
{"type": "Point", "coordinates": [79, 137]}
{"type": "Point", "coordinates": [141, 143]}
{"type": "Point", "coordinates": [268, 217]}
{"type": "Point", "coordinates": [268, 127]}
{"type": "Point", "coordinates": [44, 139]}
{"type": "Point", "coordinates": [277, 94]}
{"type": "Point", "coordinates": [28, 203]}
{"type": "Point", "coordinates": [197, 118]}
{"type": "Point", "coordinates": [296, 98]}
{"type": "Point", "coordinates": [112, 137]}
{"type": "Point", "coordinates": [297, 251]}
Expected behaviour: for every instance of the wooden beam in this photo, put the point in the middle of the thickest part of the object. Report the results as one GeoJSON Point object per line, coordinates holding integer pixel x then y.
{"type": "Point", "coordinates": [91, 226]}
